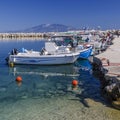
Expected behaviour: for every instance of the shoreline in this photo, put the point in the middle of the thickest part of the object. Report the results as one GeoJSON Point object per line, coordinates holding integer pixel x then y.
{"type": "Point", "coordinates": [23, 38]}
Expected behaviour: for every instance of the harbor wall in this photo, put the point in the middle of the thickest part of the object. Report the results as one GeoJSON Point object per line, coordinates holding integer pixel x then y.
{"type": "Point", "coordinates": [106, 66]}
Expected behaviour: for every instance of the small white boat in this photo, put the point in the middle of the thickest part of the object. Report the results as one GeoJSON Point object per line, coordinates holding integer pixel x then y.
{"type": "Point", "coordinates": [50, 55]}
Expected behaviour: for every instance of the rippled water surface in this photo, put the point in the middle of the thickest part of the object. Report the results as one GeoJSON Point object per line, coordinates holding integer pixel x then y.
{"type": "Point", "coordinates": [46, 92]}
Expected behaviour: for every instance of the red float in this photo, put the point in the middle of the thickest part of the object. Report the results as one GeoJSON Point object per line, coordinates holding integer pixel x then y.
{"type": "Point", "coordinates": [74, 82]}
{"type": "Point", "coordinates": [18, 78]}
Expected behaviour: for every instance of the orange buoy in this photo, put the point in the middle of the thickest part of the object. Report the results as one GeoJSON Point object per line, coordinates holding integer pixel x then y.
{"type": "Point", "coordinates": [74, 82]}
{"type": "Point", "coordinates": [19, 79]}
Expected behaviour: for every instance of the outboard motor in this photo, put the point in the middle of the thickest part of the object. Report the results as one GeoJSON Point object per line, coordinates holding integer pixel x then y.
{"type": "Point", "coordinates": [14, 51]}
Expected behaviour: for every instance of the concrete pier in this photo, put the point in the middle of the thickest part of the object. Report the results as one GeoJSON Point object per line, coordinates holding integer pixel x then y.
{"type": "Point", "coordinates": [111, 58]}
{"type": "Point", "coordinates": [110, 62]}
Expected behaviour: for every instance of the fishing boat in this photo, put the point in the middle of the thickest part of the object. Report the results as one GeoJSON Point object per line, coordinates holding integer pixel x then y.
{"type": "Point", "coordinates": [85, 50]}
{"type": "Point", "coordinates": [51, 54]}
{"type": "Point", "coordinates": [85, 53]}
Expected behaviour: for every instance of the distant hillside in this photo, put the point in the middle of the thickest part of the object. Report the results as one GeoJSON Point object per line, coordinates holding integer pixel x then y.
{"type": "Point", "coordinates": [49, 28]}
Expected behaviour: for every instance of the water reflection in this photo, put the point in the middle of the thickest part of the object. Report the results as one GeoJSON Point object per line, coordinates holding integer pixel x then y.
{"type": "Point", "coordinates": [37, 81]}
{"type": "Point", "coordinates": [44, 81]}
{"type": "Point", "coordinates": [45, 71]}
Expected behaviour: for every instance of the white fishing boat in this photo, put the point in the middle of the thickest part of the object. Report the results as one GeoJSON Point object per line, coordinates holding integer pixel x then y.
{"type": "Point", "coordinates": [50, 55]}
{"type": "Point", "coordinates": [85, 51]}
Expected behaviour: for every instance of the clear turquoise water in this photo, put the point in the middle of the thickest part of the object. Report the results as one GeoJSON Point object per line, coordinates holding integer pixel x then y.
{"type": "Point", "coordinates": [46, 92]}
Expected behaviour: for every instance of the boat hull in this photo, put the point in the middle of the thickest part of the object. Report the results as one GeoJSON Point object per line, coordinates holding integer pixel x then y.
{"type": "Point", "coordinates": [43, 59]}
{"type": "Point", "coordinates": [86, 53]}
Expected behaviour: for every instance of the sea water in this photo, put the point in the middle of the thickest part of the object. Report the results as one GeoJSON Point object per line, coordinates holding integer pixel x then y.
{"type": "Point", "coordinates": [46, 92]}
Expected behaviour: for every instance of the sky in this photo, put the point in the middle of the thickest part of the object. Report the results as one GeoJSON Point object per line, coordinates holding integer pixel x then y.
{"type": "Point", "coordinates": [22, 14]}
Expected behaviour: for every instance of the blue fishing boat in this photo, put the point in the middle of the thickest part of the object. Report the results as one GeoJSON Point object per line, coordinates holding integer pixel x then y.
{"type": "Point", "coordinates": [85, 53]}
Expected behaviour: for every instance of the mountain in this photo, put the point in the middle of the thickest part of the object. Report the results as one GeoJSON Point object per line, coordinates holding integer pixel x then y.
{"type": "Point", "coordinates": [49, 28]}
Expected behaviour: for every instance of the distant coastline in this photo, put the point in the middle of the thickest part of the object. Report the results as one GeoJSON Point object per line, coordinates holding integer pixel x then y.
{"type": "Point", "coordinates": [39, 35]}
{"type": "Point", "coordinates": [22, 35]}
